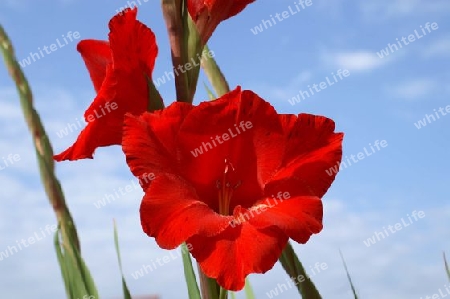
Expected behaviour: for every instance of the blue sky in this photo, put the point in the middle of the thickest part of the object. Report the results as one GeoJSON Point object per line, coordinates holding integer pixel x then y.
{"type": "Point", "coordinates": [380, 99]}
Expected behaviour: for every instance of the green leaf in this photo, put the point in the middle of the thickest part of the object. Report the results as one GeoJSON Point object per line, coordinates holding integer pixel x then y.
{"type": "Point", "coordinates": [233, 296]}
{"type": "Point", "coordinates": [211, 94]}
{"type": "Point", "coordinates": [348, 276]}
{"type": "Point", "coordinates": [446, 267]}
{"type": "Point", "coordinates": [155, 101]}
{"type": "Point", "coordinates": [189, 273]}
{"type": "Point", "coordinates": [248, 290]}
{"type": "Point", "coordinates": [214, 74]}
{"type": "Point", "coordinates": [126, 292]}
{"type": "Point", "coordinates": [76, 276]}
{"type": "Point", "coordinates": [62, 264]}
{"type": "Point", "coordinates": [294, 269]}
{"type": "Point", "coordinates": [81, 269]}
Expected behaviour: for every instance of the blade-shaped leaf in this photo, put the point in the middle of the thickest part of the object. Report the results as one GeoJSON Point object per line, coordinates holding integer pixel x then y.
{"type": "Point", "coordinates": [62, 263]}
{"type": "Point", "coordinates": [76, 276]}
{"type": "Point", "coordinates": [189, 273]}
{"type": "Point", "coordinates": [446, 267]}
{"type": "Point", "coordinates": [214, 74]}
{"type": "Point", "coordinates": [126, 291]}
{"type": "Point", "coordinates": [211, 94]}
{"type": "Point", "coordinates": [348, 276]}
{"type": "Point", "coordinates": [294, 268]}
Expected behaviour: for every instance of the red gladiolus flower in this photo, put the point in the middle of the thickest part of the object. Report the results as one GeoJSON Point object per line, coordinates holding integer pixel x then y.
{"type": "Point", "coordinates": [233, 178]}
{"type": "Point", "coordinates": [119, 70]}
{"type": "Point", "coordinates": [207, 14]}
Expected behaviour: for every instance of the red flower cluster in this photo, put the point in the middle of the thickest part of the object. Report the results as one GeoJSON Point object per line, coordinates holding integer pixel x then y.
{"type": "Point", "coordinates": [237, 203]}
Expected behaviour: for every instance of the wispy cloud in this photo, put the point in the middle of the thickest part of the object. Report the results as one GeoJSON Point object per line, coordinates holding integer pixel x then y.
{"type": "Point", "coordinates": [414, 89]}
{"type": "Point", "coordinates": [382, 9]}
{"type": "Point", "coordinates": [283, 93]}
{"type": "Point", "coordinates": [358, 61]}
{"type": "Point", "coordinates": [440, 47]}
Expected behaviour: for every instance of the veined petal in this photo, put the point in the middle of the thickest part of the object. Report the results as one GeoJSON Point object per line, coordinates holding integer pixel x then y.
{"type": "Point", "coordinates": [149, 141]}
{"type": "Point", "coordinates": [96, 55]}
{"type": "Point", "coordinates": [102, 129]}
{"type": "Point", "coordinates": [133, 44]}
{"type": "Point", "coordinates": [236, 252]}
{"type": "Point", "coordinates": [250, 138]}
{"type": "Point", "coordinates": [85, 145]}
{"type": "Point", "coordinates": [207, 14]}
{"type": "Point", "coordinates": [297, 217]}
{"type": "Point", "coordinates": [312, 147]}
{"type": "Point", "coordinates": [124, 88]}
{"type": "Point", "coordinates": [171, 213]}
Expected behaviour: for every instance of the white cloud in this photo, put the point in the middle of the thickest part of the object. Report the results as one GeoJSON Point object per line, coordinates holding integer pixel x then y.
{"type": "Point", "coordinates": [374, 269]}
{"type": "Point", "coordinates": [302, 77]}
{"type": "Point", "coordinates": [382, 9]}
{"type": "Point", "coordinates": [333, 8]}
{"type": "Point", "coordinates": [441, 47]}
{"type": "Point", "coordinates": [282, 94]}
{"type": "Point", "coordinates": [414, 89]}
{"type": "Point", "coordinates": [358, 61]}
{"type": "Point", "coordinates": [22, 4]}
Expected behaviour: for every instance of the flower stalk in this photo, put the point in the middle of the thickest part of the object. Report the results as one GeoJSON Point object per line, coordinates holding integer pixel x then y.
{"type": "Point", "coordinates": [175, 15]}
{"type": "Point", "coordinates": [76, 276]}
{"type": "Point", "coordinates": [208, 286]}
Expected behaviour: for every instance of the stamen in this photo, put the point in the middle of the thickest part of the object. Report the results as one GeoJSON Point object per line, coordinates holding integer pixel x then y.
{"type": "Point", "coordinates": [226, 189]}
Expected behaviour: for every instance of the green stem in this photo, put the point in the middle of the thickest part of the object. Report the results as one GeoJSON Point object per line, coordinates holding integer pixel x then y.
{"type": "Point", "coordinates": [214, 74]}
{"type": "Point", "coordinates": [194, 50]}
{"type": "Point", "coordinates": [76, 276]}
{"type": "Point", "coordinates": [173, 16]}
{"type": "Point", "coordinates": [43, 148]}
{"type": "Point", "coordinates": [208, 286]}
{"type": "Point", "coordinates": [223, 293]}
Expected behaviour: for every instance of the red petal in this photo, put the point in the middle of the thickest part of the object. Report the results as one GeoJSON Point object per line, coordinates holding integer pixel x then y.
{"type": "Point", "coordinates": [134, 51]}
{"type": "Point", "coordinates": [103, 129]}
{"type": "Point", "coordinates": [85, 145]}
{"type": "Point", "coordinates": [96, 55]}
{"type": "Point", "coordinates": [171, 213]}
{"type": "Point", "coordinates": [149, 141]}
{"type": "Point", "coordinates": [230, 256]}
{"type": "Point", "coordinates": [254, 153]}
{"type": "Point", "coordinates": [220, 9]}
{"type": "Point", "coordinates": [207, 14]}
{"type": "Point", "coordinates": [238, 6]}
{"type": "Point", "coordinates": [312, 148]}
{"type": "Point", "coordinates": [298, 217]}
{"type": "Point", "coordinates": [133, 44]}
